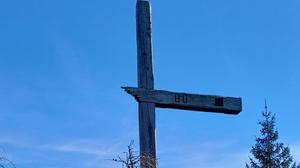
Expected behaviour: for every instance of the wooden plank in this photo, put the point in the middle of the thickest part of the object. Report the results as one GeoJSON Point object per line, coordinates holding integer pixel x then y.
{"type": "Point", "coordinates": [145, 80]}
{"type": "Point", "coordinates": [186, 101]}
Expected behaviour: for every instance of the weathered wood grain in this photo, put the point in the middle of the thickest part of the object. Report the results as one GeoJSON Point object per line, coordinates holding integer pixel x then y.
{"type": "Point", "coordinates": [145, 79]}
{"type": "Point", "coordinates": [148, 98]}
{"type": "Point", "coordinates": [186, 101]}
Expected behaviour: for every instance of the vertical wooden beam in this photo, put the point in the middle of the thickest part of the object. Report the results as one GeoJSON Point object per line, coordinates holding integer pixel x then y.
{"type": "Point", "coordinates": [145, 79]}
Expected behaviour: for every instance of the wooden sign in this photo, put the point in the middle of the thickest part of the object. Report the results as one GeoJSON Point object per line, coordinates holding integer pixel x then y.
{"type": "Point", "coordinates": [186, 101]}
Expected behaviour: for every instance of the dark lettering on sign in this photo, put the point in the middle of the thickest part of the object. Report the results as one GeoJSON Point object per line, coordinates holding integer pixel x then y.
{"type": "Point", "coordinates": [219, 101]}
{"type": "Point", "coordinates": [181, 98]}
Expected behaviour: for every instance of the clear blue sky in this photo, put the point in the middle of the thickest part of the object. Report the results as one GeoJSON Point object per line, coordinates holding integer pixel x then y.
{"type": "Point", "coordinates": [62, 64]}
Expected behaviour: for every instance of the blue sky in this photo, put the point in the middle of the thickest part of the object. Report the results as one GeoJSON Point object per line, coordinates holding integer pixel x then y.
{"type": "Point", "coordinates": [62, 64]}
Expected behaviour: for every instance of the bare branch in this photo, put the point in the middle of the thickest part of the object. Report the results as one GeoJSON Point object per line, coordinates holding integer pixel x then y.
{"type": "Point", "coordinates": [133, 160]}
{"type": "Point", "coordinates": [4, 159]}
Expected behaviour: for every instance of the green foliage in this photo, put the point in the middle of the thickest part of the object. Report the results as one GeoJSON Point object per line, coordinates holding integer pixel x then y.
{"type": "Point", "coordinates": [267, 152]}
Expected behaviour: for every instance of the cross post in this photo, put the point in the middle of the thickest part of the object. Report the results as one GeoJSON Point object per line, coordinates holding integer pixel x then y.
{"type": "Point", "coordinates": [145, 80]}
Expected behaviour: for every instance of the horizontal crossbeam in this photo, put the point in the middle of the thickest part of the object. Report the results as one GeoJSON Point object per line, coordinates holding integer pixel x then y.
{"type": "Point", "coordinates": [186, 101]}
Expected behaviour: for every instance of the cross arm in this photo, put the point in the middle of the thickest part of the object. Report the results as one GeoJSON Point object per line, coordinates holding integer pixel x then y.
{"type": "Point", "coordinates": [187, 101]}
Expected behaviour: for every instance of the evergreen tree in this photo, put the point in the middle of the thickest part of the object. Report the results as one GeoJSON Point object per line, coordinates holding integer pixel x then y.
{"type": "Point", "coordinates": [267, 152]}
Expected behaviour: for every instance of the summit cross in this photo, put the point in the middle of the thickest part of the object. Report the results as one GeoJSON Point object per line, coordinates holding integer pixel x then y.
{"type": "Point", "coordinates": [148, 98]}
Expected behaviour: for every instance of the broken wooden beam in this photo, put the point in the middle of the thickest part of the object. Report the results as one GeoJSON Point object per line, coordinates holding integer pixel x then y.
{"type": "Point", "coordinates": [187, 101]}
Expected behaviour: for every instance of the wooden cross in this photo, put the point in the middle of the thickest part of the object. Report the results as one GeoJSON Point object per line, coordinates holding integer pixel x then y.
{"type": "Point", "coordinates": [148, 98]}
